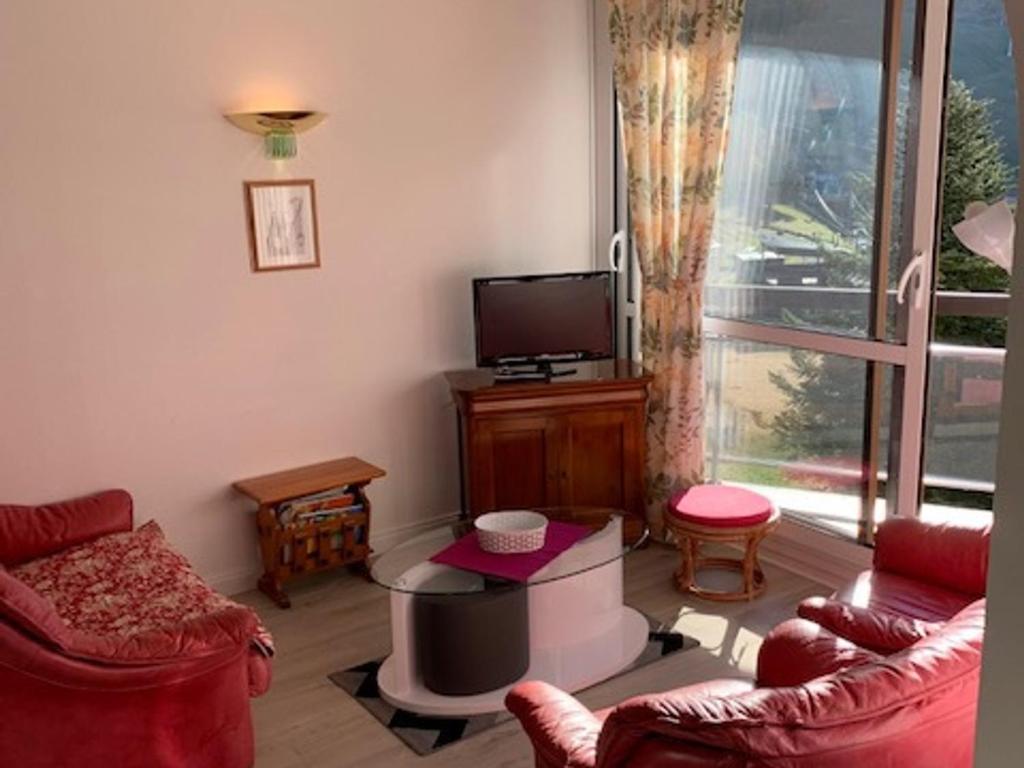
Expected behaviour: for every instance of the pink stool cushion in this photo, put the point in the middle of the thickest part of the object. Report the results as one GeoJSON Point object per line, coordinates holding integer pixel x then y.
{"type": "Point", "coordinates": [720, 506]}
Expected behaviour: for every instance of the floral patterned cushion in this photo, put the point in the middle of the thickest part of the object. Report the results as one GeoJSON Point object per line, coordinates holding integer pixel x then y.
{"type": "Point", "coordinates": [126, 584]}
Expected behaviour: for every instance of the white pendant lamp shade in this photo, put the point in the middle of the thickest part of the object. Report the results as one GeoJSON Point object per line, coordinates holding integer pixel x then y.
{"type": "Point", "coordinates": [989, 230]}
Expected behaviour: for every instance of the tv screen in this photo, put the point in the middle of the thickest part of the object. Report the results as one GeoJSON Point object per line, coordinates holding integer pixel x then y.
{"type": "Point", "coordinates": [543, 318]}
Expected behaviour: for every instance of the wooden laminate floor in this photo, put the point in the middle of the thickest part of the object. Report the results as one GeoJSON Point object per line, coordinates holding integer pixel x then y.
{"type": "Point", "coordinates": [341, 620]}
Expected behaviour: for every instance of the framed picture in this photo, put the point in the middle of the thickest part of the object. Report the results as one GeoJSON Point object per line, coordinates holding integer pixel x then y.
{"type": "Point", "coordinates": [282, 224]}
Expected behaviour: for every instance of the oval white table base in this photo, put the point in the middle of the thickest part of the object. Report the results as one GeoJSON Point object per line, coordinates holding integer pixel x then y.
{"type": "Point", "coordinates": [580, 631]}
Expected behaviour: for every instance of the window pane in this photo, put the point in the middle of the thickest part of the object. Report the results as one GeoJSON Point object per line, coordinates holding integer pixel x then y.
{"type": "Point", "coordinates": [964, 408]}
{"type": "Point", "coordinates": [789, 423]}
{"type": "Point", "coordinates": [794, 234]}
{"type": "Point", "coordinates": [982, 156]}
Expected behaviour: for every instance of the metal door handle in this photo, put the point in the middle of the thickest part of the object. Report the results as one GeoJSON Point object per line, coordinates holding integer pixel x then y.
{"type": "Point", "coordinates": [914, 267]}
{"type": "Point", "coordinates": [615, 250]}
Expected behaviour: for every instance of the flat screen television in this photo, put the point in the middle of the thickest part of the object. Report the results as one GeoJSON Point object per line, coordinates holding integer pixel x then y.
{"type": "Point", "coordinates": [543, 319]}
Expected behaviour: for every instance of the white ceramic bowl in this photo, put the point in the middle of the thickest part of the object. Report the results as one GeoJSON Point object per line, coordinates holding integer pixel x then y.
{"type": "Point", "coordinates": [507, 533]}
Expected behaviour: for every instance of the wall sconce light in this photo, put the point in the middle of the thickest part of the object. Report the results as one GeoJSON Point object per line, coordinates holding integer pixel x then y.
{"type": "Point", "coordinates": [278, 128]}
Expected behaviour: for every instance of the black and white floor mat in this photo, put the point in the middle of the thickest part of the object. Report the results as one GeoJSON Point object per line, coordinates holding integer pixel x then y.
{"type": "Point", "coordinates": [425, 735]}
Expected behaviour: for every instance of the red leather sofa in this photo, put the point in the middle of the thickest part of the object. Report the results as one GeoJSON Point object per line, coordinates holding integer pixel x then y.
{"type": "Point", "coordinates": [884, 673]}
{"type": "Point", "coordinates": [113, 652]}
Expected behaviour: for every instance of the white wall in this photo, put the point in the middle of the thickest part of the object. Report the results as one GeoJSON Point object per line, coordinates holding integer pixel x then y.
{"type": "Point", "coordinates": [136, 347]}
{"type": "Point", "coordinates": [1001, 716]}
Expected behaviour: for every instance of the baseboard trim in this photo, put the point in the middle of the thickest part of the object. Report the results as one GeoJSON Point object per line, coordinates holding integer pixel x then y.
{"type": "Point", "coordinates": [818, 556]}
{"type": "Point", "coordinates": [235, 582]}
{"type": "Point", "coordinates": [381, 541]}
{"type": "Point", "coordinates": [244, 579]}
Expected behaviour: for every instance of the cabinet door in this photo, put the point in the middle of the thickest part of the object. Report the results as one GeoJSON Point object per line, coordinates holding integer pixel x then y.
{"type": "Point", "coordinates": [602, 459]}
{"type": "Point", "coordinates": [515, 463]}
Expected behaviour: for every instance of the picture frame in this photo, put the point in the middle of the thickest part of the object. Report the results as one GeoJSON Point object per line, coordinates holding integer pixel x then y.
{"type": "Point", "coordinates": [282, 222]}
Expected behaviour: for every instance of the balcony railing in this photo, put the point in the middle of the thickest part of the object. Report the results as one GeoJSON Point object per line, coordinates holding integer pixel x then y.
{"type": "Point", "coordinates": [961, 431]}
{"type": "Point", "coordinates": [732, 301]}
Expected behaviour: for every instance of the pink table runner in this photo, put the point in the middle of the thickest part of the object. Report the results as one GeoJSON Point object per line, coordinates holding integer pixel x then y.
{"type": "Point", "coordinates": [467, 554]}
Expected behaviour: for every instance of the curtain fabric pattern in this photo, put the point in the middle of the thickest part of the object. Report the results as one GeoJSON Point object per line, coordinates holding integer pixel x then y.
{"type": "Point", "coordinates": [675, 64]}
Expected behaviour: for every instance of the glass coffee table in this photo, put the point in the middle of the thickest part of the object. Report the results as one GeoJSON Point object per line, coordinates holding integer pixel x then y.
{"type": "Point", "coordinates": [460, 639]}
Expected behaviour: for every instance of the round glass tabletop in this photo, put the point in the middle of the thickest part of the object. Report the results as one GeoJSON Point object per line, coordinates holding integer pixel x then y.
{"type": "Point", "coordinates": [408, 568]}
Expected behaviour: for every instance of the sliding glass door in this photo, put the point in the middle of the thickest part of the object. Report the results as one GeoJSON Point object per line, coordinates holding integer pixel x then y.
{"type": "Point", "coordinates": [854, 348]}
{"type": "Point", "coordinates": [972, 294]}
{"type": "Point", "coordinates": [818, 295]}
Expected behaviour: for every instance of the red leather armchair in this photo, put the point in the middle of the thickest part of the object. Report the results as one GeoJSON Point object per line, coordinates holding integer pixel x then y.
{"type": "Point", "coordinates": [174, 696]}
{"type": "Point", "coordinates": [822, 698]}
{"type": "Point", "coordinates": [923, 574]}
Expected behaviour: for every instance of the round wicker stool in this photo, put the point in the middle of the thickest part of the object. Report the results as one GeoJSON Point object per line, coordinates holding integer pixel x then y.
{"type": "Point", "coordinates": [722, 514]}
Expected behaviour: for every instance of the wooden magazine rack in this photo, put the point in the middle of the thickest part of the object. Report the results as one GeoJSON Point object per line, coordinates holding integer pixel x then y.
{"type": "Point", "coordinates": [298, 549]}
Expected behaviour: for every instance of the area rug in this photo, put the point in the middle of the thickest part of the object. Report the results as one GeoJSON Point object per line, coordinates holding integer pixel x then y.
{"type": "Point", "coordinates": [426, 735]}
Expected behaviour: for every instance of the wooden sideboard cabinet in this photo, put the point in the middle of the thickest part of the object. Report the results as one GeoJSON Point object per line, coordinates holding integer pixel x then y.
{"type": "Point", "coordinates": [573, 441]}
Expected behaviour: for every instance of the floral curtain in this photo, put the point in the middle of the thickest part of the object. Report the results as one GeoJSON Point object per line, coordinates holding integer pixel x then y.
{"type": "Point", "coordinates": [675, 63]}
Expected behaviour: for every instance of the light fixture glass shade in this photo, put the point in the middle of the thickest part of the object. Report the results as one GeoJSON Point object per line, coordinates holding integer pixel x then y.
{"type": "Point", "coordinates": [279, 128]}
{"type": "Point", "coordinates": [989, 231]}
{"type": "Point", "coordinates": [280, 145]}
